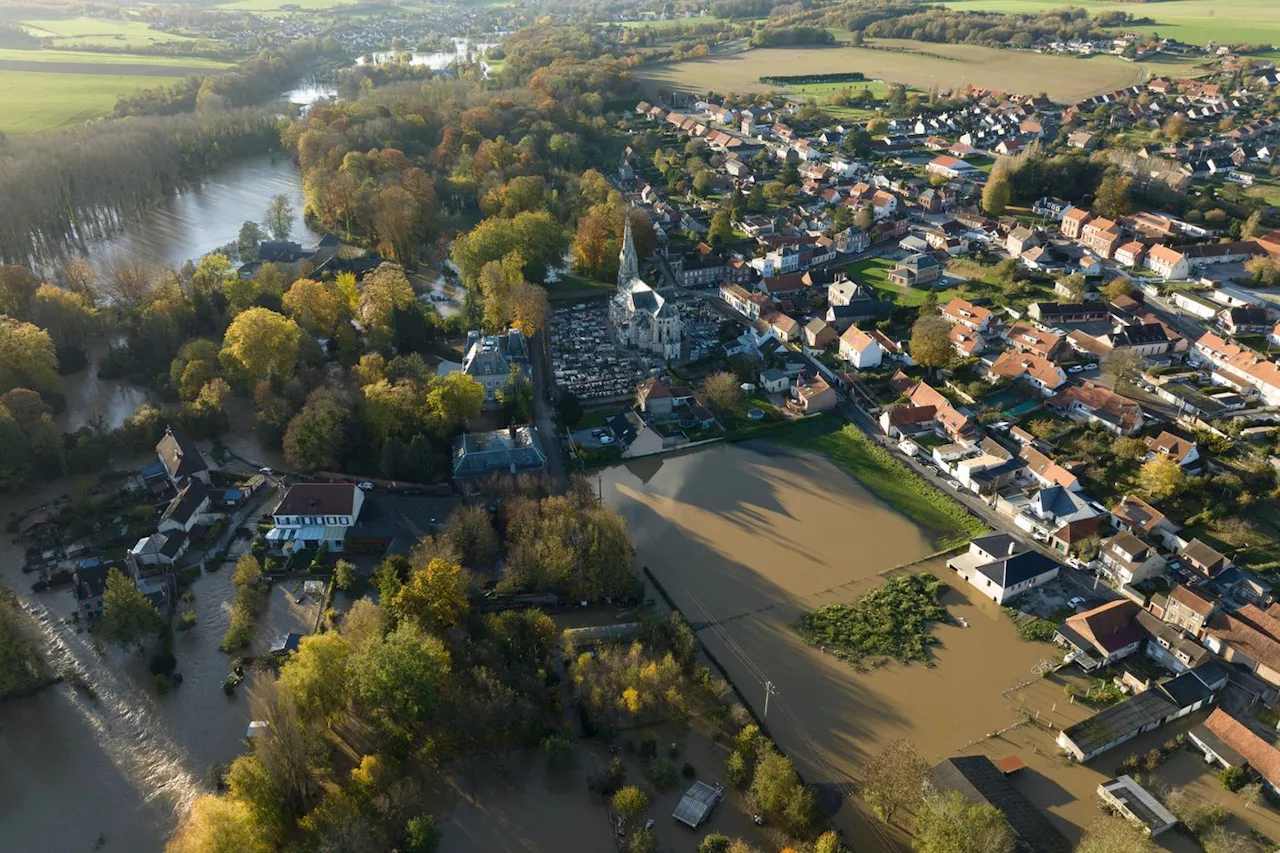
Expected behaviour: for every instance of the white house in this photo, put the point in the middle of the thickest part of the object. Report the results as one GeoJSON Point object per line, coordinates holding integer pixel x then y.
{"type": "Point", "coordinates": [188, 509]}
{"type": "Point", "coordinates": [1129, 560]}
{"type": "Point", "coordinates": [314, 514]}
{"type": "Point", "coordinates": [1167, 262]}
{"type": "Point", "coordinates": [1001, 568]}
{"type": "Point", "coordinates": [860, 349]}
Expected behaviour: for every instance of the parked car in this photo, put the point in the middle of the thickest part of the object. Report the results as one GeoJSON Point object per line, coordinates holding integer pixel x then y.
{"type": "Point", "coordinates": [1093, 365]}
{"type": "Point", "coordinates": [606, 439]}
{"type": "Point", "coordinates": [365, 486]}
{"type": "Point", "coordinates": [1073, 603]}
{"type": "Point", "coordinates": [1075, 368]}
{"type": "Point", "coordinates": [266, 471]}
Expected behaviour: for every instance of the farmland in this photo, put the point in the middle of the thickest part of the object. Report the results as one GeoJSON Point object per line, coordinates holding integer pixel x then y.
{"type": "Point", "coordinates": [83, 32]}
{"type": "Point", "coordinates": [34, 101]}
{"type": "Point", "coordinates": [1191, 21]}
{"type": "Point", "coordinates": [915, 64]}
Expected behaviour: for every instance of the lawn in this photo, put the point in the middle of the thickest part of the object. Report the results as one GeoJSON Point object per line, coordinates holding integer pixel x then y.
{"type": "Point", "coordinates": [888, 478]}
{"type": "Point", "coordinates": [1064, 78]}
{"type": "Point", "coordinates": [94, 31]}
{"type": "Point", "coordinates": [1191, 21]}
{"type": "Point", "coordinates": [575, 285]}
{"type": "Point", "coordinates": [873, 272]}
{"type": "Point", "coordinates": [31, 102]}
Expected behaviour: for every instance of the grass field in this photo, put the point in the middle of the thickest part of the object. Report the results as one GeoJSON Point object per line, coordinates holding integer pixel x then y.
{"type": "Point", "coordinates": [873, 272]}
{"type": "Point", "coordinates": [1191, 21]}
{"type": "Point", "coordinates": [278, 5]}
{"type": "Point", "coordinates": [82, 57]}
{"type": "Point", "coordinates": [1065, 79]}
{"type": "Point", "coordinates": [84, 31]}
{"type": "Point", "coordinates": [31, 102]}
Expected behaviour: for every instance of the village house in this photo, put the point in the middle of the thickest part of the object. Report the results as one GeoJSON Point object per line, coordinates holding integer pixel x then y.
{"type": "Point", "coordinates": [1186, 608]}
{"type": "Point", "coordinates": [962, 311]}
{"type": "Point", "coordinates": [1248, 638]}
{"type": "Point", "coordinates": [314, 514]}
{"type": "Point", "coordinates": [860, 349]}
{"type": "Point", "coordinates": [489, 359]}
{"type": "Point", "coordinates": [1227, 742]}
{"type": "Point", "coordinates": [1098, 406]}
{"type": "Point", "coordinates": [1167, 262]}
{"type": "Point", "coordinates": [1202, 559]}
{"type": "Point", "coordinates": [951, 167]}
{"type": "Point", "coordinates": [1073, 222]}
{"type": "Point", "coordinates": [1142, 519]}
{"type": "Point", "coordinates": [182, 460]}
{"type": "Point", "coordinates": [1045, 344]}
{"type": "Point", "coordinates": [1128, 560]}
{"type": "Point", "coordinates": [1020, 239]}
{"type": "Point", "coordinates": [1102, 236]}
{"type": "Point", "coordinates": [1184, 451]}
{"type": "Point", "coordinates": [812, 394]}
{"type": "Point", "coordinates": [907, 421]}
{"type": "Point", "coordinates": [1244, 320]}
{"type": "Point", "coordinates": [1040, 373]}
{"type": "Point", "coordinates": [818, 335]}
{"type": "Point", "coordinates": [653, 397]}
{"type": "Point", "coordinates": [1001, 568]}
{"type": "Point", "coordinates": [1149, 710]}
{"type": "Point", "coordinates": [983, 783]}
{"type": "Point", "coordinates": [915, 271]}
{"type": "Point", "coordinates": [965, 341]}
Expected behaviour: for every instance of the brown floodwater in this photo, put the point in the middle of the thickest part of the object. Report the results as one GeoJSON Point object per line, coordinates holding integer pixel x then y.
{"type": "Point", "coordinates": [748, 537]}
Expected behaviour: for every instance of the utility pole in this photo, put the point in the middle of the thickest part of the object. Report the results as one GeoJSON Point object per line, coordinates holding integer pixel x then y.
{"type": "Point", "coordinates": [768, 691]}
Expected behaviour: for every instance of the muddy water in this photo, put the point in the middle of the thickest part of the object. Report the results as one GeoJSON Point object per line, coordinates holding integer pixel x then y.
{"type": "Point", "coordinates": [749, 537]}
{"type": "Point", "coordinates": [125, 761]}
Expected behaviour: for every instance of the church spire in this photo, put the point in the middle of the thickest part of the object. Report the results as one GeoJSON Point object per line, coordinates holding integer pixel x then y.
{"type": "Point", "coordinates": [628, 265]}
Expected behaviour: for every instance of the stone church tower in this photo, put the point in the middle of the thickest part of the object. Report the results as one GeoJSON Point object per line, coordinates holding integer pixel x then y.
{"type": "Point", "coordinates": [628, 264]}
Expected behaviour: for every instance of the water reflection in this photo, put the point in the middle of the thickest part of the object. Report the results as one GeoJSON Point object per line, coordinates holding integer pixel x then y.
{"type": "Point", "coordinates": [463, 51]}
{"type": "Point", "coordinates": [196, 221]}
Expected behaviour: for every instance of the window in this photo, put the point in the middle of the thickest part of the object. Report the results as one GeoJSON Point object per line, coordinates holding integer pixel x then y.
{"type": "Point", "coordinates": [345, 520]}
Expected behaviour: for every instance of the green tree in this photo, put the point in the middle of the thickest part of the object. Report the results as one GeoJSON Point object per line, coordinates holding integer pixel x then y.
{"type": "Point", "coordinates": [1219, 839]}
{"type": "Point", "coordinates": [128, 617]}
{"type": "Point", "coordinates": [383, 292]}
{"type": "Point", "coordinates": [421, 835]}
{"type": "Point", "coordinates": [774, 782]}
{"type": "Point", "coordinates": [315, 306]}
{"type": "Point", "coordinates": [1252, 226]}
{"type": "Point", "coordinates": [344, 575]}
{"type": "Point", "coordinates": [1122, 367]}
{"type": "Point", "coordinates": [1113, 197]}
{"type": "Point", "coordinates": [316, 437]}
{"type": "Point", "coordinates": [930, 342]}
{"type": "Point", "coordinates": [16, 460]}
{"type": "Point", "coordinates": [721, 228]}
{"type": "Point", "coordinates": [260, 344]}
{"type": "Point", "coordinates": [995, 196]}
{"type": "Point", "coordinates": [864, 217]}
{"type": "Point", "coordinates": [948, 823]}
{"type": "Point", "coordinates": [536, 235]}
{"type": "Point", "coordinates": [249, 782]}
{"type": "Point", "coordinates": [630, 804]}
{"type": "Point", "coordinates": [28, 357]}
{"type": "Point", "coordinates": [1115, 835]}
{"type": "Point", "coordinates": [1117, 288]}
{"type": "Point", "coordinates": [1076, 287]}
{"type": "Point", "coordinates": [279, 217]}
{"type": "Point", "coordinates": [315, 677]}
{"type": "Point", "coordinates": [829, 842]}
{"type": "Point", "coordinates": [398, 678]}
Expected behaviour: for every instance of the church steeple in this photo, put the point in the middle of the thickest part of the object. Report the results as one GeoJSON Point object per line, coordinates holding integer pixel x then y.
{"type": "Point", "coordinates": [628, 265]}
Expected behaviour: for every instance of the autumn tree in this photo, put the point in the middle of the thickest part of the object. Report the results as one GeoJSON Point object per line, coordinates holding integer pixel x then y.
{"type": "Point", "coordinates": [398, 678]}
{"type": "Point", "coordinates": [948, 823]}
{"type": "Point", "coordinates": [28, 357]}
{"type": "Point", "coordinates": [1252, 226]}
{"type": "Point", "coordinates": [1161, 477]}
{"type": "Point", "coordinates": [128, 617]}
{"type": "Point", "coordinates": [260, 344]}
{"type": "Point", "coordinates": [536, 235]}
{"type": "Point", "coordinates": [630, 804]}
{"type": "Point", "coordinates": [219, 825]}
{"type": "Point", "coordinates": [1175, 127]}
{"type": "Point", "coordinates": [723, 392]}
{"type": "Point", "coordinates": [383, 292]}
{"type": "Point", "coordinates": [317, 307]}
{"type": "Point", "coordinates": [316, 677]}
{"type": "Point", "coordinates": [1115, 835]}
{"type": "Point", "coordinates": [1117, 288]}
{"type": "Point", "coordinates": [931, 343]}
{"type": "Point", "coordinates": [893, 781]}
{"type": "Point", "coordinates": [995, 196]}
{"type": "Point", "coordinates": [435, 596]}
{"type": "Point", "coordinates": [1122, 367]}
{"type": "Point", "coordinates": [1264, 270]}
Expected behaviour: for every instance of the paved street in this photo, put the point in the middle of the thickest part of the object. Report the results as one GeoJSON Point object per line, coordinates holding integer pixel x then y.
{"type": "Point", "coordinates": [544, 414]}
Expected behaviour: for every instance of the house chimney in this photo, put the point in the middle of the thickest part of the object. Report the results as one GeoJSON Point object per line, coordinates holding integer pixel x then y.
{"type": "Point", "coordinates": [1013, 546]}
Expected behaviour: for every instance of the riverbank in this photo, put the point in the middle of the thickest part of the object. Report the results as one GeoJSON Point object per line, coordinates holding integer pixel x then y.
{"type": "Point", "coordinates": [887, 478]}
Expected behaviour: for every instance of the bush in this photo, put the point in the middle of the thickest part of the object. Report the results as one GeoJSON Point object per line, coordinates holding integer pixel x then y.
{"type": "Point", "coordinates": [662, 774]}
{"type": "Point", "coordinates": [608, 782]}
{"type": "Point", "coordinates": [1233, 778]}
{"type": "Point", "coordinates": [688, 771]}
{"type": "Point", "coordinates": [421, 834]}
{"type": "Point", "coordinates": [187, 622]}
{"type": "Point", "coordinates": [889, 623]}
{"type": "Point", "coordinates": [558, 749]}
{"type": "Point", "coordinates": [162, 683]}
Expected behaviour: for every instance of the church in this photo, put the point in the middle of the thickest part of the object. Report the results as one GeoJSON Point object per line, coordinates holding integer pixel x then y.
{"type": "Point", "coordinates": [641, 317]}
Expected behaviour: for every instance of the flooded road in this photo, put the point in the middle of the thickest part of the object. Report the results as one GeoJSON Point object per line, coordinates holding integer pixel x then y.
{"type": "Point", "coordinates": [747, 537]}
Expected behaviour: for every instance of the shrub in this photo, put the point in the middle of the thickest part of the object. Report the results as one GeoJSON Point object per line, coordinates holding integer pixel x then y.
{"type": "Point", "coordinates": [688, 771]}
{"type": "Point", "coordinates": [421, 834]}
{"type": "Point", "coordinates": [558, 749]}
{"type": "Point", "coordinates": [662, 774]}
{"type": "Point", "coordinates": [162, 683]}
{"type": "Point", "coordinates": [187, 622]}
{"type": "Point", "coordinates": [1233, 778]}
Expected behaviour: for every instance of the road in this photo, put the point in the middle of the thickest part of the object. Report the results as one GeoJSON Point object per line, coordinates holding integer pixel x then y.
{"type": "Point", "coordinates": [544, 415]}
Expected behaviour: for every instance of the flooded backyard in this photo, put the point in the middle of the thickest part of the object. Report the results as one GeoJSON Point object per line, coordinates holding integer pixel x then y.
{"type": "Point", "coordinates": [745, 538]}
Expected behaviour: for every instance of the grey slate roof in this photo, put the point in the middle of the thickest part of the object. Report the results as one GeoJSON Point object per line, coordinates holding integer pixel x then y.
{"type": "Point", "coordinates": [979, 781]}
{"type": "Point", "coordinates": [498, 452]}
{"type": "Point", "coordinates": [181, 458]}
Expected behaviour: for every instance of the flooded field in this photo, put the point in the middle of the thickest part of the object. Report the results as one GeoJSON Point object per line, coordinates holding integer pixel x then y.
{"type": "Point", "coordinates": [745, 538]}
{"type": "Point", "coordinates": [512, 803]}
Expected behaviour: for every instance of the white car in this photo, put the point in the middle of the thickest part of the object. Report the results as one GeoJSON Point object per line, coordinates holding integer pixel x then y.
{"type": "Point", "coordinates": [606, 439]}
{"type": "Point", "coordinates": [365, 486]}
{"type": "Point", "coordinates": [267, 472]}
{"type": "Point", "coordinates": [953, 484]}
{"type": "Point", "coordinates": [1073, 603]}
{"type": "Point", "coordinates": [1091, 366]}
{"type": "Point", "coordinates": [1075, 368]}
